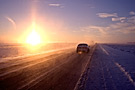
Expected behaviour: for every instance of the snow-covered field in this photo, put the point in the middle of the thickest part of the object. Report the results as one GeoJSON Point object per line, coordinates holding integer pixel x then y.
{"type": "Point", "coordinates": [112, 68]}
{"type": "Point", "coordinates": [13, 50]}
{"type": "Point", "coordinates": [130, 48]}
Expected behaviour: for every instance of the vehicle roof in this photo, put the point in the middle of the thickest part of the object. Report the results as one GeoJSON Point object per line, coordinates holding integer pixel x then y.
{"type": "Point", "coordinates": [84, 44]}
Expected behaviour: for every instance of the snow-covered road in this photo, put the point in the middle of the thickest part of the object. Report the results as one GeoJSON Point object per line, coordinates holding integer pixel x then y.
{"type": "Point", "coordinates": [111, 69]}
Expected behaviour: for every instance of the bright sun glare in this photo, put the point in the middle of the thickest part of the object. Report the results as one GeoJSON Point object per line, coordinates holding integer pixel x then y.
{"type": "Point", "coordinates": [33, 39]}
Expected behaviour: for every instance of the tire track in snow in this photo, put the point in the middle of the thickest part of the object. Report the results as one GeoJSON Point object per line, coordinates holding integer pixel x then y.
{"type": "Point", "coordinates": [105, 86]}
{"type": "Point", "coordinates": [38, 79]}
{"type": "Point", "coordinates": [110, 76]}
{"type": "Point", "coordinates": [125, 73]}
{"type": "Point", "coordinates": [104, 50]}
{"type": "Point", "coordinates": [30, 65]}
{"type": "Point", "coordinates": [121, 68]}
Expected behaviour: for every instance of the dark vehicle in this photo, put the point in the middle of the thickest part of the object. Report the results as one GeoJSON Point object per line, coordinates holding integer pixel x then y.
{"type": "Point", "coordinates": [83, 48]}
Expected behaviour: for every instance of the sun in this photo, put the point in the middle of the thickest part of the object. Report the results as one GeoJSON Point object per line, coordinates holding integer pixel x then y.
{"type": "Point", "coordinates": [33, 39]}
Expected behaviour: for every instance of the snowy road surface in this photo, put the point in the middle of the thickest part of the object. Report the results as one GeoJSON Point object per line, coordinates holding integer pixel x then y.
{"type": "Point", "coordinates": [111, 69]}
{"type": "Point", "coordinates": [57, 70]}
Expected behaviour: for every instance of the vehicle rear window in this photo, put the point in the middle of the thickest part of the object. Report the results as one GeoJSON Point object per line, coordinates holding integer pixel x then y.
{"type": "Point", "coordinates": [82, 45]}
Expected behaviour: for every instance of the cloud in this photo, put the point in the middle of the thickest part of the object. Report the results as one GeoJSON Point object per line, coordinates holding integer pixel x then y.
{"type": "Point", "coordinates": [91, 6]}
{"type": "Point", "coordinates": [94, 30]}
{"type": "Point", "coordinates": [12, 21]}
{"type": "Point", "coordinates": [121, 19]}
{"type": "Point", "coordinates": [131, 13]}
{"type": "Point", "coordinates": [126, 27]}
{"type": "Point", "coordinates": [96, 33]}
{"type": "Point", "coordinates": [116, 32]}
{"type": "Point", "coordinates": [106, 15]}
{"type": "Point", "coordinates": [56, 5]}
{"type": "Point", "coordinates": [131, 19]}
{"type": "Point", "coordinates": [100, 29]}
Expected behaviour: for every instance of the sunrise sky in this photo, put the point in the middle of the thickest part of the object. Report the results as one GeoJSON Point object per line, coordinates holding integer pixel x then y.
{"type": "Point", "coordinates": [68, 20]}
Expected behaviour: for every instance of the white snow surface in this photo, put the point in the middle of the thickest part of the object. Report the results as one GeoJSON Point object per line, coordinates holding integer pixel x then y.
{"type": "Point", "coordinates": [111, 69]}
